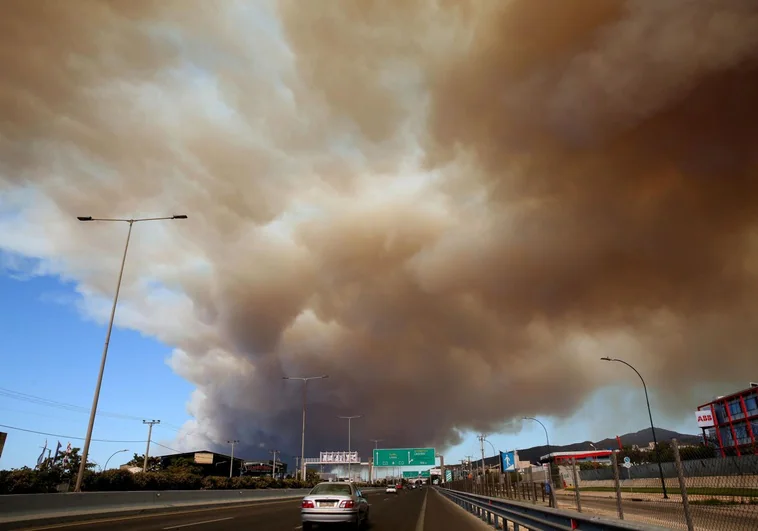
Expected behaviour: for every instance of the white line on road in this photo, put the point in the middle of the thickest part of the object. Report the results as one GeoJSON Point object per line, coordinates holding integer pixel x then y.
{"type": "Point", "coordinates": [199, 523]}
{"type": "Point", "coordinates": [420, 523]}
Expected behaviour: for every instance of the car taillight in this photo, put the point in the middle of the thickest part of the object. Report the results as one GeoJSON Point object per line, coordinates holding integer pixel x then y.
{"type": "Point", "coordinates": [307, 504]}
{"type": "Point", "coordinates": [347, 504]}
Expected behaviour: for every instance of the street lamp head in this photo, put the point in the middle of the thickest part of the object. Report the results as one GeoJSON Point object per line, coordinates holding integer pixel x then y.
{"type": "Point", "coordinates": [179, 216]}
{"type": "Point", "coordinates": [84, 218]}
{"type": "Point", "coordinates": [606, 358]}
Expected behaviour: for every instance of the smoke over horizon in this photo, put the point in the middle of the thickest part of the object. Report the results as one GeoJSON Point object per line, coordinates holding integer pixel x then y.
{"type": "Point", "coordinates": [448, 207]}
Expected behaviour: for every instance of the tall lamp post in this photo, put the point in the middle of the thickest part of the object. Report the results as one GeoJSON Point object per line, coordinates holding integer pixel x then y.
{"type": "Point", "coordinates": [349, 441]}
{"type": "Point", "coordinates": [652, 426]}
{"type": "Point", "coordinates": [114, 453]}
{"type": "Point", "coordinates": [549, 464]}
{"type": "Point", "coordinates": [376, 442]}
{"type": "Point", "coordinates": [93, 411]}
{"type": "Point", "coordinates": [305, 380]}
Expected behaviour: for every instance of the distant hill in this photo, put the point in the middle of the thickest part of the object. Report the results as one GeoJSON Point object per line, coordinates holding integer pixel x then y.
{"type": "Point", "coordinates": [639, 438]}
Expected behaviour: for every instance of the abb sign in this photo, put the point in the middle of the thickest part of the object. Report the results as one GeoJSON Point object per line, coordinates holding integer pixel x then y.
{"type": "Point", "coordinates": [705, 419]}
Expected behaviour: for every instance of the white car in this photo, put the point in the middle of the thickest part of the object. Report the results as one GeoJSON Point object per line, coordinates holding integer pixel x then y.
{"type": "Point", "coordinates": [390, 489]}
{"type": "Point", "coordinates": [334, 503]}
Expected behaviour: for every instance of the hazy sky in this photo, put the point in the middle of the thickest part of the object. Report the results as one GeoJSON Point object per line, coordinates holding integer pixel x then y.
{"type": "Point", "coordinates": [452, 208]}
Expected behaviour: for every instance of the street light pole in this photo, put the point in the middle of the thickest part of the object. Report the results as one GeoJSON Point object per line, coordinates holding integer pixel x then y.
{"type": "Point", "coordinates": [652, 426]}
{"type": "Point", "coordinates": [114, 453]}
{"type": "Point", "coordinates": [93, 411]}
{"type": "Point", "coordinates": [373, 463]}
{"type": "Point", "coordinates": [549, 464]}
{"type": "Point", "coordinates": [349, 441]}
{"type": "Point", "coordinates": [302, 467]}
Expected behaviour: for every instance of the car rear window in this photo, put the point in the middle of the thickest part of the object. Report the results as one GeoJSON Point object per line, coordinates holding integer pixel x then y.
{"type": "Point", "coordinates": [332, 488]}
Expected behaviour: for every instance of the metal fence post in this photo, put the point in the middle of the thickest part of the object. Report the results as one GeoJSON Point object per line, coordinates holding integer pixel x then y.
{"type": "Point", "coordinates": [576, 485]}
{"type": "Point", "coordinates": [532, 489]}
{"type": "Point", "coordinates": [508, 484]}
{"type": "Point", "coordinates": [617, 484]}
{"type": "Point", "coordinates": [682, 485]}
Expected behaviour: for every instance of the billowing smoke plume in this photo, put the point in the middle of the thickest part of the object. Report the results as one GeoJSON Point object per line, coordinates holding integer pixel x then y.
{"type": "Point", "coordinates": [451, 208]}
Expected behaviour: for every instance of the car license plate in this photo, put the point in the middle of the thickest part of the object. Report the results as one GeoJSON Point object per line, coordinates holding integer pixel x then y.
{"type": "Point", "coordinates": [326, 504]}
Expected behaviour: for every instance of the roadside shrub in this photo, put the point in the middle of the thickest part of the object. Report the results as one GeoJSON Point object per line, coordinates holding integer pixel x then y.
{"type": "Point", "coordinates": [110, 480]}
{"type": "Point", "coordinates": [30, 481]}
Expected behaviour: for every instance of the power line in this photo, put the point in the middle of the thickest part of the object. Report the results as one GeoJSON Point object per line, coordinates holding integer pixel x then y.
{"type": "Point", "coordinates": [82, 438]}
{"type": "Point", "coordinates": [64, 436]}
{"type": "Point", "coordinates": [24, 397]}
{"type": "Point", "coordinates": [162, 446]}
{"type": "Point", "coordinates": [33, 399]}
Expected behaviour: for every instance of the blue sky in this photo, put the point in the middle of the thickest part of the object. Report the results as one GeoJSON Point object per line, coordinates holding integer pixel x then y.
{"type": "Point", "coordinates": [51, 351]}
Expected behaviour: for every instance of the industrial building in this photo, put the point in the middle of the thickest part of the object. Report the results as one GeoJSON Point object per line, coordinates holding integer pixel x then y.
{"type": "Point", "coordinates": [208, 463]}
{"type": "Point", "coordinates": [565, 458]}
{"type": "Point", "coordinates": [730, 422]}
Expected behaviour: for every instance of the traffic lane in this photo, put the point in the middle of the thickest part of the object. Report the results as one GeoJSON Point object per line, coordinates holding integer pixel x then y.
{"type": "Point", "coordinates": [444, 515]}
{"type": "Point", "coordinates": [283, 515]}
{"type": "Point", "coordinates": [396, 512]}
{"type": "Point", "coordinates": [268, 510]}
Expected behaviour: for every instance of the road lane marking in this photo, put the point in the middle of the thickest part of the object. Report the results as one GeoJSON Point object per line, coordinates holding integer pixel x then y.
{"type": "Point", "coordinates": [199, 523]}
{"type": "Point", "coordinates": [422, 514]}
{"type": "Point", "coordinates": [221, 507]}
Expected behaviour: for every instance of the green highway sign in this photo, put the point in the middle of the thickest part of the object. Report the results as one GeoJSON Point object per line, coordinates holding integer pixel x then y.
{"type": "Point", "coordinates": [416, 474]}
{"type": "Point", "coordinates": [404, 457]}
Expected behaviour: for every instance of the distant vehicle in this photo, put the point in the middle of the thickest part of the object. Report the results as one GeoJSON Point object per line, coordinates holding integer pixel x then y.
{"type": "Point", "coordinates": [399, 486]}
{"type": "Point", "coordinates": [334, 503]}
{"type": "Point", "coordinates": [390, 489]}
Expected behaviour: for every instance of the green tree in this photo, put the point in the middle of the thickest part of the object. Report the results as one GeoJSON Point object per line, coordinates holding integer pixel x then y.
{"type": "Point", "coordinates": [183, 465]}
{"type": "Point", "coordinates": [70, 467]}
{"type": "Point", "coordinates": [153, 463]}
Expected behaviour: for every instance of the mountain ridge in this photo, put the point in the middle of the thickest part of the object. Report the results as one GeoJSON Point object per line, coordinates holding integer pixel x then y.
{"type": "Point", "coordinates": [639, 438]}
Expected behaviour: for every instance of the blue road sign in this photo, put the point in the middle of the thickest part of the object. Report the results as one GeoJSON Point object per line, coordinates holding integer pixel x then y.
{"type": "Point", "coordinates": [627, 460]}
{"type": "Point", "coordinates": [508, 461]}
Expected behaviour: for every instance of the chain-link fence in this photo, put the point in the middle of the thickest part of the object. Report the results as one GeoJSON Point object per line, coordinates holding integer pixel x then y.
{"type": "Point", "coordinates": [527, 486]}
{"type": "Point", "coordinates": [677, 487]}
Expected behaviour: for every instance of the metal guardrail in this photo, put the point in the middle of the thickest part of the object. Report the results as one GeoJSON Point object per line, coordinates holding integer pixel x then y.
{"type": "Point", "coordinates": [498, 513]}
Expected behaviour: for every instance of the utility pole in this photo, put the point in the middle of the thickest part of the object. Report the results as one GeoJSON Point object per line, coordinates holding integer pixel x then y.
{"type": "Point", "coordinates": [149, 436]}
{"type": "Point", "coordinates": [297, 464]}
{"type": "Point", "coordinates": [468, 462]}
{"type": "Point", "coordinates": [273, 470]}
{"type": "Point", "coordinates": [231, 461]}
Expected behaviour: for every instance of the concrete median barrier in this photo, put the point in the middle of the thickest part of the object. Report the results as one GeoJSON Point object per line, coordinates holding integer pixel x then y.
{"type": "Point", "coordinates": [44, 508]}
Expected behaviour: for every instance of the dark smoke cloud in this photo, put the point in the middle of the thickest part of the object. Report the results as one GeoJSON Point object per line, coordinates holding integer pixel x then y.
{"type": "Point", "coordinates": [446, 206]}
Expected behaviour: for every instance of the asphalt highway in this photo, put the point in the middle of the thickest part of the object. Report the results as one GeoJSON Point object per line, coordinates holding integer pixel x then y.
{"type": "Point", "coordinates": [406, 511]}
